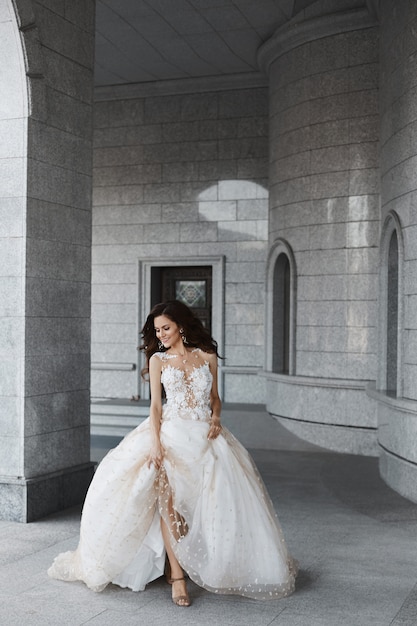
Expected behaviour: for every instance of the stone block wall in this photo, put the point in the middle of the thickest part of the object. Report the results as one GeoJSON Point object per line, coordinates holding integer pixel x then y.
{"type": "Point", "coordinates": [180, 175]}
{"type": "Point", "coordinates": [397, 417]}
{"type": "Point", "coordinates": [13, 165]}
{"type": "Point", "coordinates": [45, 206]}
{"type": "Point", "coordinates": [324, 204]}
{"type": "Point", "coordinates": [58, 229]}
{"type": "Point", "coordinates": [325, 197]}
{"type": "Point", "coordinates": [399, 160]}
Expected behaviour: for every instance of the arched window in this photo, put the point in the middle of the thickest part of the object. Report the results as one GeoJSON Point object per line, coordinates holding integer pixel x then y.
{"type": "Point", "coordinates": [280, 309]}
{"type": "Point", "coordinates": [392, 315]}
{"type": "Point", "coordinates": [391, 307]}
{"type": "Point", "coordinates": [281, 316]}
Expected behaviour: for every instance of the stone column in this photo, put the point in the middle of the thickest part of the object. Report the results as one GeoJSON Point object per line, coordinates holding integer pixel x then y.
{"type": "Point", "coordinates": [324, 209]}
{"type": "Point", "coordinates": [397, 413]}
{"type": "Point", "coordinates": [45, 206]}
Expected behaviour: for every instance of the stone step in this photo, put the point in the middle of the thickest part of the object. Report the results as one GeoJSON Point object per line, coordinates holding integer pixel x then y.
{"type": "Point", "coordinates": [117, 417]}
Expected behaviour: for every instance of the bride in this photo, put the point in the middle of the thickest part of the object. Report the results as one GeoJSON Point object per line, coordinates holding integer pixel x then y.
{"type": "Point", "coordinates": [180, 489]}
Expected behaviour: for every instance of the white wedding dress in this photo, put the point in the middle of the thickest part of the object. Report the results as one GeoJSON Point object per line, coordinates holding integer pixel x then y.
{"type": "Point", "coordinates": [224, 530]}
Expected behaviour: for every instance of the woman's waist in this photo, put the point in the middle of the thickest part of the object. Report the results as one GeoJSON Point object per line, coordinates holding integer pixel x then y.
{"type": "Point", "coordinates": [196, 413]}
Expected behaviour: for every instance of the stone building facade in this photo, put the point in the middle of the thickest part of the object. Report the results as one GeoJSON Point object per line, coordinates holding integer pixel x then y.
{"type": "Point", "coordinates": [180, 179]}
{"type": "Point", "coordinates": [324, 208]}
{"type": "Point", "coordinates": [293, 186]}
{"type": "Point", "coordinates": [45, 206]}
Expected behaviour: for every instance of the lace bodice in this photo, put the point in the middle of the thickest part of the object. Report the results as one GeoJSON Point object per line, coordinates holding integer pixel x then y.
{"type": "Point", "coordinates": [187, 390]}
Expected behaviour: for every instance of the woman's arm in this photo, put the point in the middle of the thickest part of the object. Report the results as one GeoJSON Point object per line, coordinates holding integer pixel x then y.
{"type": "Point", "coordinates": [215, 402]}
{"type": "Point", "coordinates": [156, 452]}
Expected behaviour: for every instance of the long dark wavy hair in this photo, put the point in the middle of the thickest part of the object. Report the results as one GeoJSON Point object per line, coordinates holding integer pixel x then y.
{"type": "Point", "coordinates": [196, 334]}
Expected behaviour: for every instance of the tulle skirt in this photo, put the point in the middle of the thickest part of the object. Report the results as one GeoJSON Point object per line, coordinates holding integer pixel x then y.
{"type": "Point", "coordinates": [223, 528]}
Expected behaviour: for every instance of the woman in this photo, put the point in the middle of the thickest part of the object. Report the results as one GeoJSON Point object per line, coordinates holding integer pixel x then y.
{"type": "Point", "coordinates": [180, 486]}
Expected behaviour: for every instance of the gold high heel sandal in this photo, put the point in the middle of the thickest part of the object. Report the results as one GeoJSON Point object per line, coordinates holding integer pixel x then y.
{"type": "Point", "coordinates": [183, 600]}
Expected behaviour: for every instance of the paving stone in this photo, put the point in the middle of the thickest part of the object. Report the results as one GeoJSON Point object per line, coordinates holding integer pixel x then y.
{"type": "Point", "coordinates": [353, 536]}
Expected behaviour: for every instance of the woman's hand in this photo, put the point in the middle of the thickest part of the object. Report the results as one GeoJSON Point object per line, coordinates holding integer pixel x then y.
{"type": "Point", "coordinates": [156, 456]}
{"type": "Point", "coordinates": [215, 403]}
{"type": "Point", "coordinates": [215, 429]}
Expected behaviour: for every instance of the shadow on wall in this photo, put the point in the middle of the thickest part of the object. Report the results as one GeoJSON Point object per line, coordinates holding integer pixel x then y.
{"type": "Point", "coordinates": [239, 206]}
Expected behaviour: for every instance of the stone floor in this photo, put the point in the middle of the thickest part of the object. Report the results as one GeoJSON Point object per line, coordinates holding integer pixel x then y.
{"type": "Point", "coordinates": [355, 540]}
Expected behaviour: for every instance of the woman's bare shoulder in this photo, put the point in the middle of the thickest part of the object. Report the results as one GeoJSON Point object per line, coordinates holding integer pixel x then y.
{"type": "Point", "coordinates": [209, 356]}
{"type": "Point", "coordinates": [156, 359]}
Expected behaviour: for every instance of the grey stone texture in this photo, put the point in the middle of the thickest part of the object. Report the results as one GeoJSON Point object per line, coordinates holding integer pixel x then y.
{"type": "Point", "coordinates": [179, 176]}
{"type": "Point", "coordinates": [340, 416]}
{"type": "Point", "coordinates": [321, 196]}
{"type": "Point", "coordinates": [353, 536]}
{"type": "Point", "coordinates": [186, 176]}
{"type": "Point", "coordinates": [45, 197]}
{"type": "Point", "coordinates": [398, 417]}
{"type": "Point", "coordinates": [13, 115]}
{"type": "Point", "coordinates": [336, 200]}
{"type": "Point", "coordinates": [321, 165]}
{"type": "Point", "coordinates": [324, 203]}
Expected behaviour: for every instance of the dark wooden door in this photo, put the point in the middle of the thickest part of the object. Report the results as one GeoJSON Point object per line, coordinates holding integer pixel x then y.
{"type": "Point", "coordinates": [191, 285]}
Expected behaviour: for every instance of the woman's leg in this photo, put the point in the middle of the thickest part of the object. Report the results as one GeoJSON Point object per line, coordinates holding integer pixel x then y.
{"type": "Point", "coordinates": [179, 588]}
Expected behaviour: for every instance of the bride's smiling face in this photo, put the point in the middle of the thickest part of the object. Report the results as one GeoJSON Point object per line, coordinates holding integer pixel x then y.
{"type": "Point", "coordinates": [166, 331]}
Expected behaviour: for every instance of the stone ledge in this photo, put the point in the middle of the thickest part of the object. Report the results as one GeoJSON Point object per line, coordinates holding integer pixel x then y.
{"type": "Point", "coordinates": [315, 381]}
{"type": "Point", "coordinates": [117, 417]}
{"type": "Point", "coordinates": [244, 80]}
{"type": "Point", "coordinates": [403, 405]}
{"type": "Point", "coordinates": [398, 473]}
{"type": "Point", "coordinates": [336, 437]}
{"type": "Point", "coordinates": [116, 367]}
{"type": "Point", "coordinates": [333, 413]}
{"type": "Point", "coordinates": [297, 33]}
{"type": "Point", "coordinates": [29, 499]}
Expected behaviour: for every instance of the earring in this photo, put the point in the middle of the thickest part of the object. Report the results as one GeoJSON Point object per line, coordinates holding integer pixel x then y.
{"type": "Point", "coordinates": [183, 337]}
{"type": "Point", "coordinates": [160, 345]}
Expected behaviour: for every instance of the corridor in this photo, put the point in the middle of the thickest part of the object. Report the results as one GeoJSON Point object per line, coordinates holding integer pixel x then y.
{"type": "Point", "coordinates": [354, 537]}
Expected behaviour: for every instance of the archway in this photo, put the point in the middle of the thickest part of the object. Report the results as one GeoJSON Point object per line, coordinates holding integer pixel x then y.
{"type": "Point", "coordinates": [390, 378]}
{"type": "Point", "coordinates": [281, 289]}
{"type": "Point", "coordinates": [45, 211]}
